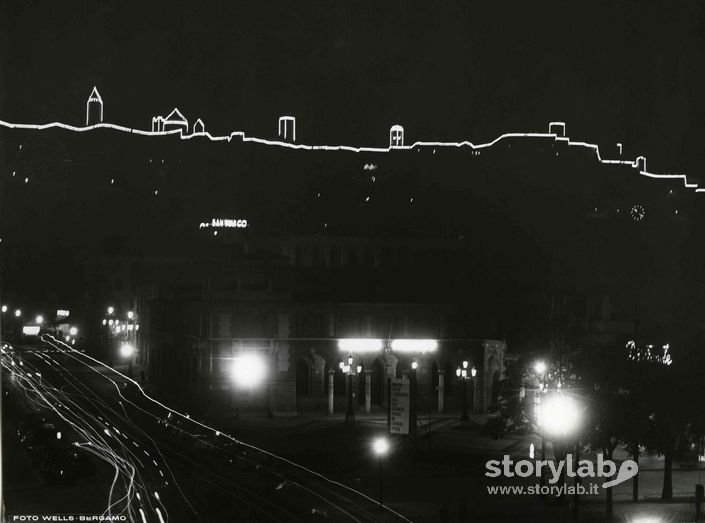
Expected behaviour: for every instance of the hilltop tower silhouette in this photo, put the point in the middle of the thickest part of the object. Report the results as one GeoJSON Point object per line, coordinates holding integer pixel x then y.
{"type": "Point", "coordinates": [94, 108]}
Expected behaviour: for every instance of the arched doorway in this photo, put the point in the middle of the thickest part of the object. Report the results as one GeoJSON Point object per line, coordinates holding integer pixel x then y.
{"type": "Point", "coordinates": [377, 384]}
{"type": "Point", "coordinates": [303, 378]}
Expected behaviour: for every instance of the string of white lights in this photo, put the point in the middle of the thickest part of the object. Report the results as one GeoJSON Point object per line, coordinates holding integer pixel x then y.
{"type": "Point", "coordinates": [241, 136]}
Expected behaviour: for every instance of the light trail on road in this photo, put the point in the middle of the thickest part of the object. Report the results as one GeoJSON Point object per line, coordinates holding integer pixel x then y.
{"type": "Point", "coordinates": [144, 466]}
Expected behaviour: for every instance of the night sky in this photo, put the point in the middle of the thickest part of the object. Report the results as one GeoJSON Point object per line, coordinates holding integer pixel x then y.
{"type": "Point", "coordinates": [631, 72]}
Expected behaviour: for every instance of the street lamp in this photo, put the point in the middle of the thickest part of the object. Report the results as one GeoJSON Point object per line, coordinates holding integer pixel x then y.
{"type": "Point", "coordinates": [347, 369]}
{"type": "Point", "coordinates": [18, 313]}
{"type": "Point", "coordinates": [473, 374]}
{"type": "Point", "coordinates": [126, 350]}
{"type": "Point", "coordinates": [111, 310]}
{"type": "Point", "coordinates": [248, 370]}
{"type": "Point", "coordinates": [4, 308]}
{"type": "Point", "coordinates": [39, 319]}
{"type": "Point", "coordinates": [559, 416]}
{"type": "Point", "coordinates": [462, 374]}
{"type": "Point", "coordinates": [540, 368]}
{"type": "Point", "coordinates": [380, 447]}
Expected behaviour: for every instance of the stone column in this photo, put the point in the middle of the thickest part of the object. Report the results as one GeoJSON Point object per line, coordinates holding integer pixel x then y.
{"type": "Point", "coordinates": [368, 391]}
{"type": "Point", "coordinates": [331, 384]}
{"type": "Point", "coordinates": [441, 390]}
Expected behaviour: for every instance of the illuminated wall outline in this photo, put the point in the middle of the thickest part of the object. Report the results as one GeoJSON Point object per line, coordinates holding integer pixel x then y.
{"type": "Point", "coordinates": [177, 124]}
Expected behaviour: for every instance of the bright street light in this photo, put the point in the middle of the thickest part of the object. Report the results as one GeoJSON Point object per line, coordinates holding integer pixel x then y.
{"type": "Point", "coordinates": [73, 331]}
{"type": "Point", "coordinates": [39, 319]}
{"type": "Point", "coordinates": [540, 367]}
{"type": "Point", "coordinates": [111, 310]}
{"type": "Point", "coordinates": [380, 447]}
{"type": "Point", "coordinates": [248, 370]}
{"type": "Point", "coordinates": [559, 415]}
{"type": "Point", "coordinates": [18, 313]}
{"type": "Point", "coordinates": [4, 308]}
{"type": "Point", "coordinates": [130, 315]}
{"type": "Point", "coordinates": [126, 350]}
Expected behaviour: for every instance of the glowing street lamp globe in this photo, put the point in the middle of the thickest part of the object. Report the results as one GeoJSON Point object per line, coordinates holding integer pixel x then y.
{"type": "Point", "coordinates": [380, 446]}
{"type": "Point", "coordinates": [126, 350]}
{"type": "Point", "coordinates": [248, 370]}
{"type": "Point", "coordinates": [540, 367]}
{"type": "Point", "coordinates": [39, 319]}
{"type": "Point", "coordinates": [559, 415]}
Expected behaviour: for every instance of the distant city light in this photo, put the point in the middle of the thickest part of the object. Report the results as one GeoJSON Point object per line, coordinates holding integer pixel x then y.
{"type": "Point", "coordinates": [111, 322]}
{"type": "Point", "coordinates": [18, 313]}
{"type": "Point", "coordinates": [39, 319]}
{"type": "Point", "coordinates": [111, 310]}
{"type": "Point", "coordinates": [130, 314]}
{"type": "Point", "coordinates": [73, 331]}
{"type": "Point", "coordinates": [62, 313]}
{"type": "Point", "coordinates": [4, 308]}
{"type": "Point", "coordinates": [540, 367]}
{"type": "Point", "coordinates": [359, 345]}
{"type": "Point", "coordinates": [248, 370]}
{"type": "Point", "coordinates": [414, 345]}
{"type": "Point", "coordinates": [105, 321]}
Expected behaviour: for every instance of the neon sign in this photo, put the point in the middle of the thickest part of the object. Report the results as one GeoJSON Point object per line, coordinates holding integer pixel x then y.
{"type": "Point", "coordinates": [224, 223]}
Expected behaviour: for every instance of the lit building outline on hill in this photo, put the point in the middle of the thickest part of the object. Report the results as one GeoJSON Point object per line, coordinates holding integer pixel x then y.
{"type": "Point", "coordinates": [176, 124]}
